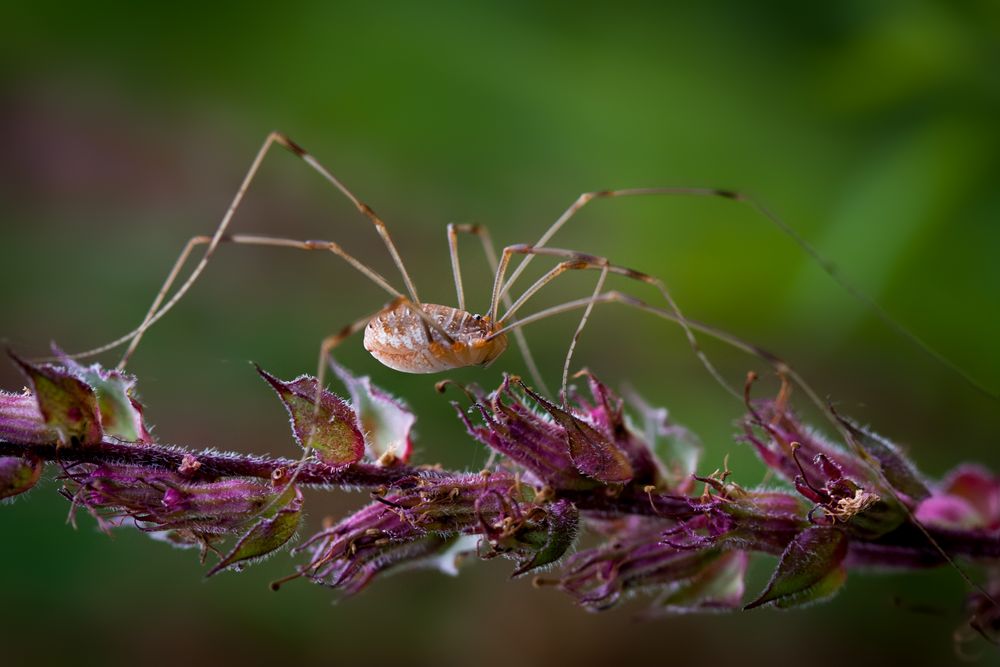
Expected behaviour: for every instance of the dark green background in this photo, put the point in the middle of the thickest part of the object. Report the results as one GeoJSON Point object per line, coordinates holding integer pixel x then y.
{"type": "Point", "coordinates": [872, 130]}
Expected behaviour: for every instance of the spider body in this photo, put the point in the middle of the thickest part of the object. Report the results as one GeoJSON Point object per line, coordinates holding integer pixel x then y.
{"type": "Point", "coordinates": [402, 340]}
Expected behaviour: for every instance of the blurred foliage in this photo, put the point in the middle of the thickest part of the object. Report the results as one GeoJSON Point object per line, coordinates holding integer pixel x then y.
{"type": "Point", "coordinates": [870, 128]}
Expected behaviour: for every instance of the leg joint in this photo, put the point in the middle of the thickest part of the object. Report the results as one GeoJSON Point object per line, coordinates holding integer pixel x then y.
{"type": "Point", "coordinates": [465, 228]}
{"type": "Point", "coordinates": [285, 142]}
{"type": "Point", "coordinates": [593, 260]}
{"type": "Point", "coordinates": [318, 244]}
{"type": "Point", "coordinates": [368, 211]}
{"type": "Point", "coordinates": [518, 249]}
{"type": "Point", "coordinates": [615, 295]}
{"type": "Point", "coordinates": [644, 277]}
{"type": "Point", "coordinates": [729, 194]}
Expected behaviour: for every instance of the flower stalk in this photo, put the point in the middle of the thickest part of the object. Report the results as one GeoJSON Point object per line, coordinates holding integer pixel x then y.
{"type": "Point", "coordinates": [594, 464]}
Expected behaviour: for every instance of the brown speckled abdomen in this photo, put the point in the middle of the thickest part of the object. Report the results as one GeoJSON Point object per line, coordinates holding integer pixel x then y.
{"type": "Point", "coordinates": [398, 338]}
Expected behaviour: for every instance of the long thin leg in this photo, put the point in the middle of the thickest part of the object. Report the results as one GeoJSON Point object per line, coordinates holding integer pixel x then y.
{"type": "Point", "coordinates": [364, 208]}
{"type": "Point", "coordinates": [245, 239]}
{"type": "Point", "coordinates": [615, 296]}
{"type": "Point", "coordinates": [153, 315]}
{"type": "Point", "coordinates": [483, 234]}
{"type": "Point", "coordinates": [217, 237]}
{"type": "Point", "coordinates": [825, 264]}
{"type": "Point", "coordinates": [577, 261]}
{"type": "Point", "coordinates": [330, 342]}
{"type": "Point", "coordinates": [576, 334]}
{"type": "Point", "coordinates": [374, 276]}
{"type": "Point", "coordinates": [456, 268]}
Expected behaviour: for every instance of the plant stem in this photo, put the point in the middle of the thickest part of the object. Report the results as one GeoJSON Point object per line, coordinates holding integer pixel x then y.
{"type": "Point", "coordinates": [905, 547]}
{"type": "Point", "coordinates": [214, 464]}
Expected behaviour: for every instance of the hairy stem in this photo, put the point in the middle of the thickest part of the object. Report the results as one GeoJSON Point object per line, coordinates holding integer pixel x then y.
{"type": "Point", "coordinates": [905, 547]}
{"type": "Point", "coordinates": [215, 465]}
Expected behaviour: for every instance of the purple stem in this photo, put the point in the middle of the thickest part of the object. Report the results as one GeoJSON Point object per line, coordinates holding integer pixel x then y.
{"type": "Point", "coordinates": [214, 465]}
{"type": "Point", "coordinates": [905, 547]}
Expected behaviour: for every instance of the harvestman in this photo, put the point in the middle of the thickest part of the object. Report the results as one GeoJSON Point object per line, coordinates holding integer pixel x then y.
{"type": "Point", "coordinates": [415, 337]}
{"type": "Point", "coordinates": [411, 336]}
{"type": "Point", "coordinates": [407, 334]}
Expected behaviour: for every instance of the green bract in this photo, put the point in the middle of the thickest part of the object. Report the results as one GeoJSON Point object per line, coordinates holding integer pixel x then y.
{"type": "Point", "coordinates": [321, 421]}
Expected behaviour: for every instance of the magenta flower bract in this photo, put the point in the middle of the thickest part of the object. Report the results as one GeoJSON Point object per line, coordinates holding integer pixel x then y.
{"type": "Point", "coordinates": [595, 464]}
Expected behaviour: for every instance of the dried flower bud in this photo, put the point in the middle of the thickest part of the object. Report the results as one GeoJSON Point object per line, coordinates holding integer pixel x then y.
{"type": "Point", "coordinates": [73, 404]}
{"type": "Point", "coordinates": [581, 447]}
{"type": "Point", "coordinates": [810, 569]}
{"type": "Point", "coordinates": [121, 412]}
{"type": "Point", "coordinates": [895, 467]}
{"type": "Point", "coordinates": [320, 420]}
{"type": "Point", "coordinates": [781, 430]}
{"type": "Point", "coordinates": [18, 475]}
{"type": "Point", "coordinates": [844, 490]}
{"type": "Point", "coordinates": [67, 404]}
{"type": "Point", "coordinates": [718, 586]}
{"type": "Point", "coordinates": [160, 501]}
{"type": "Point", "coordinates": [592, 452]}
{"type": "Point", "coordinates": [606, 411]}
{"type": "Point", "coordinates": [416, 527]}
{"type": "Point", "coordinates": [277, 524]}
{"type": "Point", "coordinates": [638, 558]}
{"type": "Point", "coordinates": [22, 421]}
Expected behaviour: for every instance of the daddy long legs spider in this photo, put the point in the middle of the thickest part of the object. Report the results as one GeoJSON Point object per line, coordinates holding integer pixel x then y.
{"type": "Point", "coordinates": [407, 334]}
{"type": "Point", "coordinates": [413, 336]}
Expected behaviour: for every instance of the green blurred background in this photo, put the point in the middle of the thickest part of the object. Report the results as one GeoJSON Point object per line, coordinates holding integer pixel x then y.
{"type": "Point", "coordinates": [871, 129]}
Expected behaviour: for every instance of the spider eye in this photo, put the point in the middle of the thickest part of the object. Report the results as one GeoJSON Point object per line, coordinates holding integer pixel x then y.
{"type": "Point", "coordinates": [479, 317]}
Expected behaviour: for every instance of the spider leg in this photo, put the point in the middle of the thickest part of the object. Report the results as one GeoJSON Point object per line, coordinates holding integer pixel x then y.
{"type": "Point", "coordinates": [156, 311]}
{"type": "Point", "coordinates": [483, 234]}
{"type": "Point", "coordinates": [364, 208]}
{"type": "Point", "coordinates": [766, 213]}
{"type": "Point", "coordinates": [580, 261]}
{"type": "Point", "coordinates": [614, 296]}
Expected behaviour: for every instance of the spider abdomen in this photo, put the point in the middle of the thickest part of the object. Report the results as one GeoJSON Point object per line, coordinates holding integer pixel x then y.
{"type": "Point", "coordinates": [402, 340]}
